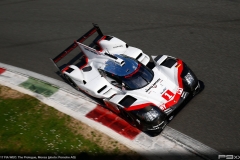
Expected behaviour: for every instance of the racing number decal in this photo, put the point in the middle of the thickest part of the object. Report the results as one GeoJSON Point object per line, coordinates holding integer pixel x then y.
{"type": "Point", "coordinates": [167, 95]}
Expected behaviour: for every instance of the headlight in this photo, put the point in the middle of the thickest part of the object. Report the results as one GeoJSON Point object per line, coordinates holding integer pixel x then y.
{"type": "Point", "coordinates": [150, 115]}
{"type": "Point", "coordinates": [189, 78]}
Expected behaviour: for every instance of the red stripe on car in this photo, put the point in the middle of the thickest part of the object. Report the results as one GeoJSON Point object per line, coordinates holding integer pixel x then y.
{"type": "Point", "coordinates": [64, 69]}
{"type": "Point", "coordinates": [101, 49]}
{"type": "Point", "coordinates": [86, 62]}
{"type": "Point", "coordinates": [131, 74]}
{"type": "Point", "coordinates": [180, 85]}
{"type": "Point", "coordinates": [139, 106]}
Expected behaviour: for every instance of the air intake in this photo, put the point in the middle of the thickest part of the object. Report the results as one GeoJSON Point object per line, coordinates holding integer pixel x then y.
{"type": "Point", "coordinates": [101, 89]}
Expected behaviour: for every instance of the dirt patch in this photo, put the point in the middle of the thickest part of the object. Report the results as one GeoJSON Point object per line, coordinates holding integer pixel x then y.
{"type": "Point", "coordinates": [6, 92]}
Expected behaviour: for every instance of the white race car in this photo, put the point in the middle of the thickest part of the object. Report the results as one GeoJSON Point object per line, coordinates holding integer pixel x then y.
{"type": "Point", "coordinates": [143, 91]}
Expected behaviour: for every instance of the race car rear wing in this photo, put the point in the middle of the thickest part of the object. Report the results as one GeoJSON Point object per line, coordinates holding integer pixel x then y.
{"type": "Point", "coordinates": [74, 45]}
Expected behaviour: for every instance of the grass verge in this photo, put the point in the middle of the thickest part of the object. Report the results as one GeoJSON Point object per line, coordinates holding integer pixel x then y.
{"type": "Point", "coordinates": [29, 127]}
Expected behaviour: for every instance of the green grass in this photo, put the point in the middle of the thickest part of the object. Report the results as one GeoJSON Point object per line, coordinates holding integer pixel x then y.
{"type": "Point", "coordinates": [30, 127]}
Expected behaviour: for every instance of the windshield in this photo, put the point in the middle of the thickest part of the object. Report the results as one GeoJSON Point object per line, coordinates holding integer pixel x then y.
{"type": "Point", "coordinates": [139, 78]}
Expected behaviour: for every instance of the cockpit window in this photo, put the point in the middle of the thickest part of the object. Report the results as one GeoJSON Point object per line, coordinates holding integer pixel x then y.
{"type": "Point", "coordinates": [139, 78]}
{"type": "Point", "coordinates": [133, 74]}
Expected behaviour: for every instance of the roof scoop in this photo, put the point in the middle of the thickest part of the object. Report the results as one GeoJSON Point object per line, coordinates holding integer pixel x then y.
{"type": "Point", "coordinates": [117, 60]}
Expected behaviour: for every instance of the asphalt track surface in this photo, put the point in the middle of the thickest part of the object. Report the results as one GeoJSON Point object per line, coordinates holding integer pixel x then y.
{"type": "Point", "coordinates": [203, 33]}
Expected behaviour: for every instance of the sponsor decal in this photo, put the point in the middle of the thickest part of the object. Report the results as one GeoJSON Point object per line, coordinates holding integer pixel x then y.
{"type": "Point", "coordinates": [168, 110]}
{"type": "Point", "coordinates": [164, 89]}
{"type": "Point", "coordinates": [179, 91]}
{"type": "Point", "coordinates": [184, 94]}
{"type": "Point", "coordinates": [118, 46]}
{"type": "Point", "coordinates": [162, 107]}
{"type": "Point", "coordinates": [154, 85]}
{"type": "Point", "coordinates": [167, 95]}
